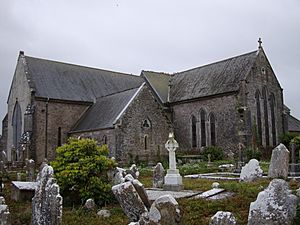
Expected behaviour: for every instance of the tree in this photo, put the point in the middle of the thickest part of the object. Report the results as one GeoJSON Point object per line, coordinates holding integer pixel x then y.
{"type": "Point", "coordinates": [81, 170]}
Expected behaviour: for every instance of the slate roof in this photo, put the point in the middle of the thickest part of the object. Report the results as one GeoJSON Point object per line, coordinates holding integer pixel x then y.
{"type": "Point", "coordinates": [104, 113]}
{"type": "Point", "coordinates": [65, 81]}
{"type": "Point", "coordinates": [216, 78]}
{"type": "Point", "coordinates": [293, 124]}
{"type": "Point", "coordinates": [159, 83]}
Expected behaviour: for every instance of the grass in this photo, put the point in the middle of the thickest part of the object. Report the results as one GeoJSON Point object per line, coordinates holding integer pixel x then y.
{"type": "Point", "coordinates": [192, 211]}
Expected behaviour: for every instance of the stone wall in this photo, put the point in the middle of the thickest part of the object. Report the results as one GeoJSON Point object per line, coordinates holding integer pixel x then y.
{"type": "Point", "coordinates": [61, 116]}
{"type": "Point", "coordinates": [3, 137]}
{"type": "Point", "coordinates": [224, 110]}
{"type": "Point", "coordinates": [100, 136]}
{"type": "Point", "coordinates": [20, 92]}
{"type": "Point", "coordinates": [262, 76]}
{"type": "Point", "coordinates": [132, 130]}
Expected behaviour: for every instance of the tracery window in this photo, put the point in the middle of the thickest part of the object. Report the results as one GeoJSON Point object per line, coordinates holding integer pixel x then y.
{"type": "Point", "coordinates": [194, 132]}
{"type": "Point", "coordinates": [212, 122]}
{"type": "Point", "coordinates": [203, 127]}
{"type": "Point", "coordinates": [258, 117]}
{"type": "Point", "coordinates": [17, 124]}
{"type": "Point", "coordinates": [266, 116]}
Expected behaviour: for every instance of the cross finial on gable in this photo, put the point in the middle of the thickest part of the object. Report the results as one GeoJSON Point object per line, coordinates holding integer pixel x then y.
{"type": "Point", "coordinates": [259, 42]}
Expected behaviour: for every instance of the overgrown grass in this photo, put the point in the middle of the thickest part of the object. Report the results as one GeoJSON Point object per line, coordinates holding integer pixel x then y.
{"type": "Point", "coordinates": [193, 212]}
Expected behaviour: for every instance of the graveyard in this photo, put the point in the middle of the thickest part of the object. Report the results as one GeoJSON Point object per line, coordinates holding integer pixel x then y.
{"type": "Point", "coordinates": [178, 190]}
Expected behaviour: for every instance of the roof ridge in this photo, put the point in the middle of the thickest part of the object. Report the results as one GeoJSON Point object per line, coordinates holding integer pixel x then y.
{"type": "Point", "coordinates": [82, 66]}
{"type": "Point", "coordinates": [162, 73]}
{"type": "Point", "coordinates": [210, 64]}
{"type": "Point", "coordinates": [115, 93]}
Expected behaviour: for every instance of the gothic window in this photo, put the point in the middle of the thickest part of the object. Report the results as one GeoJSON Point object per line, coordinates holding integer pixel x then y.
{"type": "Point", "coordinates": [146, 123]}
{"type": "Point", "coordinates": [272, 107]}
{"type": "Point", "coordinates": [258, 117]}
{"type": "Point", "coordinates": [17, 125]}
{"type": "Point", "coordinates": [266, 117]}
{"type": "Point", "coordinates": [212, 123]}
{"type": "Point", "coordinates": [194, 132]}
{"type": "Point", "coordinates": [104, 139]}
{"type": "Point", "coordinates": [203, 127]}
{"type": "Point", "coordinates": [146, 142]}
{"type": "Point", "coordinates": [59, 136]}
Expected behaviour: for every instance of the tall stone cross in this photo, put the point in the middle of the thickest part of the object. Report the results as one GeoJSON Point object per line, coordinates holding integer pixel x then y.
{"type": "Point", "coordinates": [171, 145]}
{"type": "Point", "coordinates": [173, 180]}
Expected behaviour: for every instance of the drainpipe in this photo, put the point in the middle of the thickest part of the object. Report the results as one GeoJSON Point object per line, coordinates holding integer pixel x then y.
{"type": "Point", "coordinates": [46, 130]}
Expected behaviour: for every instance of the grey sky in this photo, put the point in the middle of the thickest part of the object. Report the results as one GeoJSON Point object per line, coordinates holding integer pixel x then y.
{"type": "Point", "coordinates": [160, 35]}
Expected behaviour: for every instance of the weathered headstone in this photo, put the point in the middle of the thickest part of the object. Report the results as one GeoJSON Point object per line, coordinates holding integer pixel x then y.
{"type": "Point", "coordinates": [139, 187]}
{"type": "Point", "coordinates": [274, 205]}
{"type": "Point", "coordinates": [129, 200]}
{"type": "Point", "coordinates": [158, 176]}
{"type": "Point", "coordinates": [30, 169]}
{"type": "Point", "coordinates": [208, 159]}
{"type": "Point", "coordinates": [279, 166]}
{"type": "Point", "coordinates": [173, 180]}
{"type": "Point", "coordinates": [215, 185]}
{"type": "Point", "coordinates": [223, 218]}
{"type": "Point", "coordinates": [4, 212]}
{"type": "Point", "coordinates": [165, 210]}
{"type": "Point", "coordinates": [103, 213]}
{"type": "Point", "coordinates": [90, 204]}
{"type": "Point", "coordinates": [251, 171]}
{"type": "Point", "coordinates": [133, 170]}
{"type": "Point", "coordinates": [47, 202]}
{"type": "Point", "coordinates": [118, 176]}
{"type": "Point", "coordinates": [19, 176]}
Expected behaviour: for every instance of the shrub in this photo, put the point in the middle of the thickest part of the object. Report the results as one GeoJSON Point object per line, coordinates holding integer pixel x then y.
{"type": "Point", "coordinates": [216, 153]}
{"type": "Point", "coordinates": [81, 170]}
{"type": "Point", "coordinates": [286, 138]}
{"type": "Point", "coordinates": [253, 153]}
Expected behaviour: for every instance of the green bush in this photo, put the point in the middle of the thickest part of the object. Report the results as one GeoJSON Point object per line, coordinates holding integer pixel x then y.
{"type": "Point", "coordinates": [253, 153]}
{"type": "Point", "coordinates": [81, 171]}
{"type": "Point", "coordinates": [287, 138]}
{"type": "Point", "coordinates": [216, 153]}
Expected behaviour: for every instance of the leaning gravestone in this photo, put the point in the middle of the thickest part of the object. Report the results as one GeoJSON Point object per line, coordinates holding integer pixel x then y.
{"type": "Point", "coordinates": [274, 205]}
{"type": "Point", "coordinates": [129, 200]}
{"type": "Point", "coordinates": [30, 166]}
{"type": "Point", "coordinates": [47, 202]}
{"type": "Point", "coordinates": [279, 166]}
{"type": "Point", "coordinates": [223, 218]}
{"type": "Point", "coordinates": [158, 176]}
{"type": "Point", "coordinates": [251, 171]}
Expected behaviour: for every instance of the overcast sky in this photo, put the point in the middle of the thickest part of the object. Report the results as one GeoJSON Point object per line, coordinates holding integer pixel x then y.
{"type": "Point", "coordinates": [159, 35]}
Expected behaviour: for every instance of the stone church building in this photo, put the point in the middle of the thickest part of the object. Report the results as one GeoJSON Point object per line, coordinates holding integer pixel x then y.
{"type": "Point", "coordinates": [236, 100]}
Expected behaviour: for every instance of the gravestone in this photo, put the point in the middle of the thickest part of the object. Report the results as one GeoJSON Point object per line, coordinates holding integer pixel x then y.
{"type": "Point", "coordinates": [133, 170]}
{"type": "Point", "coordinates": [208, 160]}
{"type": "Point", "coordinates": [30, 167]}
{"type": "Point", "coordinates": [165, 210]}
{"type": "Point", "coordinates": [129, 200]}
{"type": "Point", "coordinates": [139, 187]}
{"type": "Point", "coordinates": [104, 213]}
{"type": "Point", "coordinates": [279, 165]}
{"type": "Point", "coordinates": [173, 180]}
{"type": "Point", "coordinates": [4, 212]}
{"type": "Point", "coordinates": [158, 176]}
{"type": "Point", "coordinates": [47, 202]}
{"type": "Point", "coordinates": [90, 204]}
{"type": "Point", "coordinates": [223, 218]}
{"type": "Point", "coordinates": [275, 205]}
{"type": "Point", "coordinates": [251, 171]}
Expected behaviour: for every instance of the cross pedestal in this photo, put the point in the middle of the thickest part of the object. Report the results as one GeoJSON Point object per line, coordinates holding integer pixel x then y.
{"type": "Point", "coordinates": [173, 180]}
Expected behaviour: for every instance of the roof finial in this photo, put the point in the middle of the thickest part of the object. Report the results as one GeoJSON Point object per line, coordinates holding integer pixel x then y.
{"type": "Point", "coordinates": [259, 43]}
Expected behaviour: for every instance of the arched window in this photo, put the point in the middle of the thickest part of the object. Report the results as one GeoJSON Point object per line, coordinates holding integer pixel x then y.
{"type": "Point", "coordinates": [212, 123]}
{"type": "Point", "coordinates": [104, 139]}
{"type": "Point", "coordinates": [203, 127]}
{"type": "Point", "coordinates": [146, 142]}
{"type": "Point", "coordinates": [266, 116]}
{"type": "Point", "coordinates": [59, 137]}
{"type": "Point", "coordinates": [258, 117]}
{"type": "Point", "coordinates": [272, 107]}
{"type": "Point", "coordinates": [194, 132]}
{"type": "Point", "coordinates": [17, 125]}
